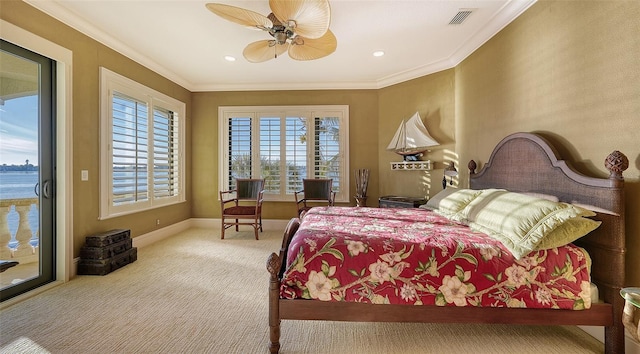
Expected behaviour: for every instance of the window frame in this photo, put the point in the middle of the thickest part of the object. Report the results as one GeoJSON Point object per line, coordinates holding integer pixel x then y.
{"type": "Point", "coordinates": [310, 112]}
{"type": "Point", "coordinates": [110, 83]}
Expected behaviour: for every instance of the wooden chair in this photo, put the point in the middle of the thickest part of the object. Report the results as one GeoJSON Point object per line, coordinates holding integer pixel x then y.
{"type": "Point", "coordinates": [243, 205]}
{"type": "Point", "coordinates": [316, 191]}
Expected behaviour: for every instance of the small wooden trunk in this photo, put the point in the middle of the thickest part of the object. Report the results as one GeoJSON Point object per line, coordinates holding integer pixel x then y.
{"type": "Point", "coordinates": [108, 265]}
{"type": "Point", "coordinates": [106, 251]}
{"type": "Point", "coordinates": [107, 238]}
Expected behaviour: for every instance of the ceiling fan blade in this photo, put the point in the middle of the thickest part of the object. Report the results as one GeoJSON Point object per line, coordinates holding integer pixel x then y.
{"type": "Point", "coordinates": [314, 48]}
{"type": "Point", "coordinates": [312, 17]}
{"type": "Point", "coordinates": [264, 50]}
{"type": "Point", "coordinates": [240, 16]}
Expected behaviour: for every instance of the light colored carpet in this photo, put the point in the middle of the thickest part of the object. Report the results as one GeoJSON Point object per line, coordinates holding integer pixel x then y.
{"type": "Point", "coordinates": [195, 293]}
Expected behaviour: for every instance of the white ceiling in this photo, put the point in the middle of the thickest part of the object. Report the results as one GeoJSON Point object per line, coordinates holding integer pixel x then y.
{"type": "Point", "coordinates": [185, 42]}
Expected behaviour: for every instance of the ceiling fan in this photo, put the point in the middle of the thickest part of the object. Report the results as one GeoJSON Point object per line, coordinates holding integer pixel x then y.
{"type": "Point", "coordinates": [300, 27]}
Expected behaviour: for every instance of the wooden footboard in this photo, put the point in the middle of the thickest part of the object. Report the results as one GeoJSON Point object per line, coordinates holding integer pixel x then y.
{"type": "Point", "coordinates": [600, 314]}
{"type": "Point", "coordinates": [520, 162]}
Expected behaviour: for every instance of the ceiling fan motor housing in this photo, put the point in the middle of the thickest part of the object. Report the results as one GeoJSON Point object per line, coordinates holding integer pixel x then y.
{"type": "Point", "coordinates": [280, 36]}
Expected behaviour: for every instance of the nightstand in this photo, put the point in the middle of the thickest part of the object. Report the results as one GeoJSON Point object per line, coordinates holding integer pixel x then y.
{"type": "Point", "coordinates": [393, 201]}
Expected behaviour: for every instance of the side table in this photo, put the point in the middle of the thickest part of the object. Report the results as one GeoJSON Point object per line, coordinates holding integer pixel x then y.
{"type": "Point", "coordinates": [631, 313]}
{"type": "Point", "coordinates": [392, 201]}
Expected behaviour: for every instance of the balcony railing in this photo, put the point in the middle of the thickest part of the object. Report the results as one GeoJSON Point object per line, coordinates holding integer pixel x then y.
{"type": "Point", "coordinates": [23, 245]}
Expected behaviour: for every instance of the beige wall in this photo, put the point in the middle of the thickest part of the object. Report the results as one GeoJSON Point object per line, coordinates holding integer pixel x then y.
{"type": "Point", "coordinates": [88, 56]}
{"type": "Point", "coordinates": [433, 97]}
{"type": "Point", "coordinates": [570, 70]}
{"type": "Point", "coordinates": [363, 137]}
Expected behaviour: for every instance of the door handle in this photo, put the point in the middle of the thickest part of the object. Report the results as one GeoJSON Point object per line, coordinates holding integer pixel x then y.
{"type": "Point", "coordinates": [36, 190]}
{"type": "Point", "coordinates": [47, 189]}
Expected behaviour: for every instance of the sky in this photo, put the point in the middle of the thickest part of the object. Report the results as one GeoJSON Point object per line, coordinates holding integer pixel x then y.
{"type": "Point", "coordinates": [19, 131]}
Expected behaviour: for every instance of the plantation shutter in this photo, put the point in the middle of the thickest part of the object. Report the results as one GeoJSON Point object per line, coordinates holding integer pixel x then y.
{"type": "Point", "coordinates": [284, 145]}
{"type": "Point", "coordinates": [270, 149]}
{"type": "Point", "coordinates": [327, 149]}
{"type": "Point", "coordinates": [239, 149]}
{"type": "Point", "coordinates": [130, 150]}
{"type": "Point", "coordinates": [296, 152]}
{"type": "Point", "coordinates": [141, 147]}
{"type": "Point", "coordinates": [165, 153]}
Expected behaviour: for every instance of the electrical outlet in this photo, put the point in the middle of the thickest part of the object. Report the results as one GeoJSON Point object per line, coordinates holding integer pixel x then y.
{"type": "Point", "coordinates": [157, 221]}
{"type": "Point", "coordinates": [84, 175]}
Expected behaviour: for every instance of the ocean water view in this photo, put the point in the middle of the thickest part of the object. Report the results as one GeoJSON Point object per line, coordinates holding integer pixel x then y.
{"type": "Point", "coordinates": [19, 185]}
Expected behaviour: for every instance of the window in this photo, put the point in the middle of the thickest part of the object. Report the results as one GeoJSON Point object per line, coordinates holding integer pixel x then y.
{"type": "Point", "coordinates": [142, 145]}
{"type": "Point", "coordinates": [283, 145]}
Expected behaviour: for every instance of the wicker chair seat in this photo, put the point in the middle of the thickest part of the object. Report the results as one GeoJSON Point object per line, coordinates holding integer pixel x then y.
{"type": "Point", "coordinates": [241, 210]}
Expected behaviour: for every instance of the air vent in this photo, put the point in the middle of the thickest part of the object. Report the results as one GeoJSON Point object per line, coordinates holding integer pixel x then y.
{"type": "Point", "coordinates": [460, 16]}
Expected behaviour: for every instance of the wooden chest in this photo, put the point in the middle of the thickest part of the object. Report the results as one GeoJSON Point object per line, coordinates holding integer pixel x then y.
{"type": "Point", "coordinates": [109, 251]}
{"type": "Point", "coordinates": [105, 252]}
{"type": "Point", "coordinates": [107, 265]}
{"type": "Point", "coordinates": [107, 238]}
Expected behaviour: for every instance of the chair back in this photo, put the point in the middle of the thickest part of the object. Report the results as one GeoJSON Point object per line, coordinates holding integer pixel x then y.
{"type": "Point", "coordinates": [318, 189]}
{"type": "Point", "coordinates": [249, 188]}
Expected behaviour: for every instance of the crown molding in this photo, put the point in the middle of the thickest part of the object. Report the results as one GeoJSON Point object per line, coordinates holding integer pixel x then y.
{"type": "Point", "coordinates": [501, 19]}
{"type": "Point", "coordinates": [509, 12]}
{"type": "Point", "coordinates": [71, 19]}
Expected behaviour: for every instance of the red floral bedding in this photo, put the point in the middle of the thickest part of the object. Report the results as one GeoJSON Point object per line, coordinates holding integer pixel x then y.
{"type": "Point", "coordinates": [417, 257]}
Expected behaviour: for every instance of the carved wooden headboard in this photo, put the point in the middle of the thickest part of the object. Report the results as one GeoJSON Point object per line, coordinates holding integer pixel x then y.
{"type": "Point", "coordinates": [527, 162]}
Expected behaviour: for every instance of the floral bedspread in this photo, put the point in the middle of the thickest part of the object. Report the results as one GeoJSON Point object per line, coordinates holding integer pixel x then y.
{"type": "Point", "coordinates": [417, 257]}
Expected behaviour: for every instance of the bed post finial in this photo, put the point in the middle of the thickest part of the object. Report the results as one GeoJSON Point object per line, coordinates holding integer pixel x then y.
{"type": "Point", "coordinates": [472, 167]}
{"type": "Point", "coordinates": [273, 266]}
{"type": "Point", "coordinates": [616, 163]}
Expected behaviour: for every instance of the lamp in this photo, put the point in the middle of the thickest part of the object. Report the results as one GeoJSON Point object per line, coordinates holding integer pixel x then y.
{"type": "Point", "coordinates": [451, 172]}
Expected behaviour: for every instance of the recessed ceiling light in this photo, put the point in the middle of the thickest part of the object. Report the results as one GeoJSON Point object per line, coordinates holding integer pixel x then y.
{"type": "Point", "coordinates": [378, 53]}
{"type": "Point", "coordinates": [229, 58]}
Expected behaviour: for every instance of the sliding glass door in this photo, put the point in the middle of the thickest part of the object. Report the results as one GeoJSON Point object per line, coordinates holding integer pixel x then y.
{"type": "Point", "coordinates": [27, 170]}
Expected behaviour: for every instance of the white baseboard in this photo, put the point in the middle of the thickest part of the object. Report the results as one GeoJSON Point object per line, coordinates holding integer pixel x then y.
{"type": "Point", "coordinates": [160, 234]}
{"type": "Point", "coordinates": [267, 224]}
{"type": "Point", "coordinates": [630, 345]}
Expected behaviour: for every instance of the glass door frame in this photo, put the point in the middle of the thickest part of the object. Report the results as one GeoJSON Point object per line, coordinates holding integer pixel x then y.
{"type": "Point", "coordinates": [41, 117]}
{"type": "Point", "coordinates": [65, 263]}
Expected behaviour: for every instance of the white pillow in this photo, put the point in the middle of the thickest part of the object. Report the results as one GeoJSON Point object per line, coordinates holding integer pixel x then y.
{"type": "Point", "coordinates": [518, 221]}
{"type": "Point", "coordinates": [451, 205]}
{"type": "Point", "coordinates": [434, 202]}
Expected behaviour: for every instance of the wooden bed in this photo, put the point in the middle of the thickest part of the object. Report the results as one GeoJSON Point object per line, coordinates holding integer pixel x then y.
{"type": "Point", "coordinates": [520, 162]}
